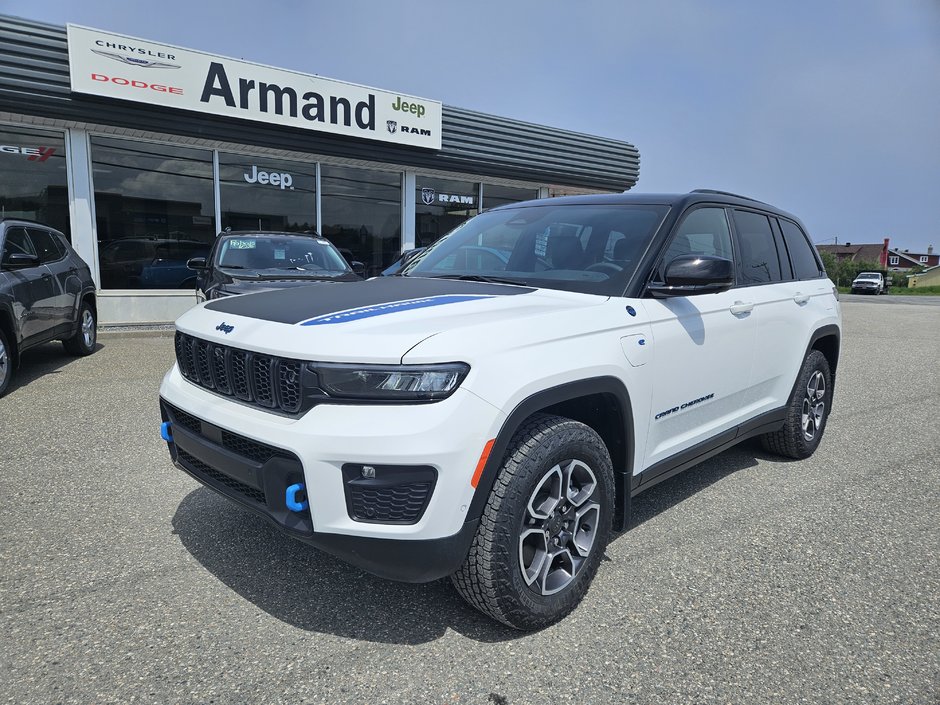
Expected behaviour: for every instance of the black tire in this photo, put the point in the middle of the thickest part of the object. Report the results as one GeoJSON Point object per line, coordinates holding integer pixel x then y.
{"type": "Point", "coordinates": [491, 579]}
{"type": "Point", "coordinates": [806, 421]}
{"type": "Point", "coordinates": [85, 338]}
{"type": "Point", "coordinates": [6, 362]}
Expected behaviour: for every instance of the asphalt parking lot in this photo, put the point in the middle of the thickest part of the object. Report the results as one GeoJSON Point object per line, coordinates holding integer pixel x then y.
{"type": "Point", "coordinates": [745, 580]}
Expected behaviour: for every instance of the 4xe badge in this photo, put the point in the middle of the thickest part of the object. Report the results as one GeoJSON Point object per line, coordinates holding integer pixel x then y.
{"type": "Point", "coordinates": [225, 328]}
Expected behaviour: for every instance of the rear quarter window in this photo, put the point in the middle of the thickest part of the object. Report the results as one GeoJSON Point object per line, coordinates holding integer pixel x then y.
{"type": "Point", "coordinates": [758, 262]}
{"type": "Point", "coordinates": [802, 256]}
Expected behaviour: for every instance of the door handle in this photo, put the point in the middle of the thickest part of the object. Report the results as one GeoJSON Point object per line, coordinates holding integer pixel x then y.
{"type": "Point", "coordinates": [800, 298]}
{"type": "Point", "coordinates": [739, 307]}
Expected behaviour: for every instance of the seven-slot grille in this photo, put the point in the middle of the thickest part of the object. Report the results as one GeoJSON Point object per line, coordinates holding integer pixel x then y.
{"type": "Point", "coordinates": [262, 380]}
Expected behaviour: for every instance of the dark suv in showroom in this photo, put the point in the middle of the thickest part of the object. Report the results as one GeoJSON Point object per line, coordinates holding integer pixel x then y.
{"type": "Point", "coordinates": [245, 261]}
{"type": "Point", "coordinates": [46, 293]}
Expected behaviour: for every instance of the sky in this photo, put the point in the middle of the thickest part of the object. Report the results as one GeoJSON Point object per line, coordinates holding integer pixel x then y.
{"type": "Point", "coordinates": [829, 109]}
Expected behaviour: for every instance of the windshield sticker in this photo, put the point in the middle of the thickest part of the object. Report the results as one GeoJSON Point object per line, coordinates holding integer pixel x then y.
{"type": "Point", "coordinates": [246, 244]}
{"type": "Point", "coordinates": [280, 254]}
{"type": "Point", "coordinates": [355, 314]}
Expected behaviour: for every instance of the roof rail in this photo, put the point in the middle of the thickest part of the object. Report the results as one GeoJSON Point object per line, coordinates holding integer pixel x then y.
{"type": "Point", "coordinates": [726, 193]}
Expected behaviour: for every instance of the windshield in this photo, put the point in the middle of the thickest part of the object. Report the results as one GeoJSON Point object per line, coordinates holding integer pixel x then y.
{"type": "Point", "coordinates": [869, 275]}
{"type": "Point", "coordinates": [300, 256]}
{"type": "Point", "coordinates": [587, 248]}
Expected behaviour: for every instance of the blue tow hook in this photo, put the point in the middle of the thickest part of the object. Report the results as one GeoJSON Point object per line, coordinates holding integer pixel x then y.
{"type": "Point", "coordinates": [291, 497]}
{"type": "Point", "coordinates": [166, 431]}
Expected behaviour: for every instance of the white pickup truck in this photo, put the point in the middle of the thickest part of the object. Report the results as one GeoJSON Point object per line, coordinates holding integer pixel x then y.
{"type": "Point", "coordinates": [869, 283]}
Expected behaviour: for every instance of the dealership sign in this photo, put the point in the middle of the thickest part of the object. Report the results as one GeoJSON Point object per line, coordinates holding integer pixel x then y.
{"type": "Point", "coordinates": [125, 68]}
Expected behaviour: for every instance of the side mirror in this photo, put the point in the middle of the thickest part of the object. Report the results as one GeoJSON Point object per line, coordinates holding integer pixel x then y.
{"type": "Point", "coordinates": [688, 275]}
{"type": "Point", "coordinates": [196, 264]}
{"type": "Point", "coordinates": [20, 260]}
{"type": "Point", "coordinates": [358, 267]}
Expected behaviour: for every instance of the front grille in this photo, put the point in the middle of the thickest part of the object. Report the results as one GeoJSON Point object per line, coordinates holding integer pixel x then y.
{"type": "Point", "coordinates": [221, 478]}
{"type": "Point", "coordinates": [265, 381]}
{"type": "Point", "coordinates": [399, 504]}
{"type": "Point", "coordinates": [245, 447]}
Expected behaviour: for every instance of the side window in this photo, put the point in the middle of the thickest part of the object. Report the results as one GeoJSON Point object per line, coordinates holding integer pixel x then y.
{"type": "Point", "coordinates": [704, 231]}
{"type": "Point", "coordinates": [805, 264]}
{"type": "Point", "coordinates": [757, 253]}
{"type": "Point", "coordinates": [17, 241]}
{"type": "Point", "coordinates": [47, 247]}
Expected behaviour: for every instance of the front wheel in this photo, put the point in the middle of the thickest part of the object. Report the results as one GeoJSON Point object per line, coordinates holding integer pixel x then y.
{"type": "Point", "coordinates": [807, 411]}
{"type": "Point", "coordinates": [83, 342]}
{"type": "Point", "coordinates": [6, 363]}
{"type": "Point", "coordinates": [545, 526]}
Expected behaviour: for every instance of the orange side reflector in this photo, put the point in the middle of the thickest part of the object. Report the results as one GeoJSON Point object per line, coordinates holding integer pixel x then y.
{"type": "Point", "coordinates": [483, 458]}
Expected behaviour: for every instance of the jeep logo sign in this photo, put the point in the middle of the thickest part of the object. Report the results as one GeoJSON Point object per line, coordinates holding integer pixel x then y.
{"type": "Point", "coordinates": [126, 68]}
{"type": "Point", "coordinates": [273, 178]}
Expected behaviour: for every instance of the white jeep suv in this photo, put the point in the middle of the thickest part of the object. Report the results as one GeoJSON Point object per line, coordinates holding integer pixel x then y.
{"type": "Point", "coordinates": [489, 413]}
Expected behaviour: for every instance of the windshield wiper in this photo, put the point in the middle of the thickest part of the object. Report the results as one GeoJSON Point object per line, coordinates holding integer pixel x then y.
{"type": "Point", "coordinates": [480, 278]}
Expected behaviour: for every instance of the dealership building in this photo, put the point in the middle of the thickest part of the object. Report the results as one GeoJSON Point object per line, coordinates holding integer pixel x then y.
{"type": "Point", "coordinates": [141, 152]}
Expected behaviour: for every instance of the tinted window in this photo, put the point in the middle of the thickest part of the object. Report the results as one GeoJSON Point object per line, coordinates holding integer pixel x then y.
{"type": "Point", "coordinates": [757, 253]}
{"type": "Point", "coordinates": [33, 180]}
{"type": "Point", "coordinates": [704, 231]}
{"type": "Point", "coordinates": [362, 214]}
{"type": "Point", "coordinates": [47, 246]}
{"type": "Point", "coordinates": [151, 194]}
{"type": "Point", "coordinates": [494, 196]}
{"type": "Point", "coordinates": [268, 194]}
{"type": "Point", "coordinates": [802, 256]}
{"type": "Point", "coordinates": [17, 242]}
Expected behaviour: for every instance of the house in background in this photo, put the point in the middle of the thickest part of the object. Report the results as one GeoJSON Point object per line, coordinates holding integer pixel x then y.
{"type": "Point", "coordinates": [902, 260]}
{"type": "Point", "coordinates": [856, 253]}
{"type": "Point", "coordinates": [894, 259]}
{"type": "Point", "coordinates": [929, 277]}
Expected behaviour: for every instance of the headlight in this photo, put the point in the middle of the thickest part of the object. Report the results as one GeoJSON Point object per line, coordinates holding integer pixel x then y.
{"type": "Point", "coordinates": [390, 382]}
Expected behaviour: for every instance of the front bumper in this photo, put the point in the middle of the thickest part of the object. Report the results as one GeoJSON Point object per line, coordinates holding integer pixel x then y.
{"type": "Point", "coordinates": [252, 457]}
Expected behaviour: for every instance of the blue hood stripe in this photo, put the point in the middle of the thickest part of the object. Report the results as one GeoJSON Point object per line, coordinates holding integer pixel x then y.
{"type": "Point", "coordinates": [356, 314]}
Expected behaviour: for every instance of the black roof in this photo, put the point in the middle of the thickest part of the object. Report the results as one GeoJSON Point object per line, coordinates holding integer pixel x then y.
{"type": "Point", "coordinates": [679, 200]}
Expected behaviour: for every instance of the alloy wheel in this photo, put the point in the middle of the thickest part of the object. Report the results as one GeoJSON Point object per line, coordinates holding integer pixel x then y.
{"type": "Point", "coordinates": [559, 527]}
{"type": "Point", "coordinates": [813, 405]}
{"type": "Point", "coordinates": [88, 328]}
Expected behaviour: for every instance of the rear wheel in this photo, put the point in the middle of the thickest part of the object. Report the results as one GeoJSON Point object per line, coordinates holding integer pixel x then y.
{"type": "Point", "coordinates": [807, 411]}
{"type": "Point", "coordinates": [6, 362]}
{"type": "Point", "coordinates": [83, 342]}
{"type": "Point", "coordinates": [544, 528]}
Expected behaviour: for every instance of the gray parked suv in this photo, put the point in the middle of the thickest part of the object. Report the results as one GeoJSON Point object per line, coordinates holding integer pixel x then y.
{"type": "Point", "coordinates": [46, 293]}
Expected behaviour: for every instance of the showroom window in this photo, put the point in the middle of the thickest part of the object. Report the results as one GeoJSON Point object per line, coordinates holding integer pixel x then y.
{"type": "Point", "coordinates": [362, 214]}
{"type": "Point", "coordinates": [154, 209]}
{"type": "Point", "coordinates": [441, 205]}
{"type": "Point", "coordinates": [257, 193]}
{"type": "Point", "coordinates": [33, 178]}
{"type": "Point", "coordinates": [494, 196]}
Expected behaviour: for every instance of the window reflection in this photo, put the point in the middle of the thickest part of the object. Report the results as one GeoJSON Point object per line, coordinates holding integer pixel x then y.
{"type": "Point", "coordinates": [154, 209]}
{"type": "Point", "coordinates": [441, 205]}
{"type": "Point", "coordinates": [494, 196]}
{"type": "Point", "coordinates": [258, 193]}
{"type": "Point", "coordinates": [33, 180]}
{"type": "Point", "coordinates": [362, 214]}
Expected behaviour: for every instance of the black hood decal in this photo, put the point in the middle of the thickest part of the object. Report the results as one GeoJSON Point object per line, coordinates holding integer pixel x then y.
{"type": "Point", "coordinates": [313, 304]}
